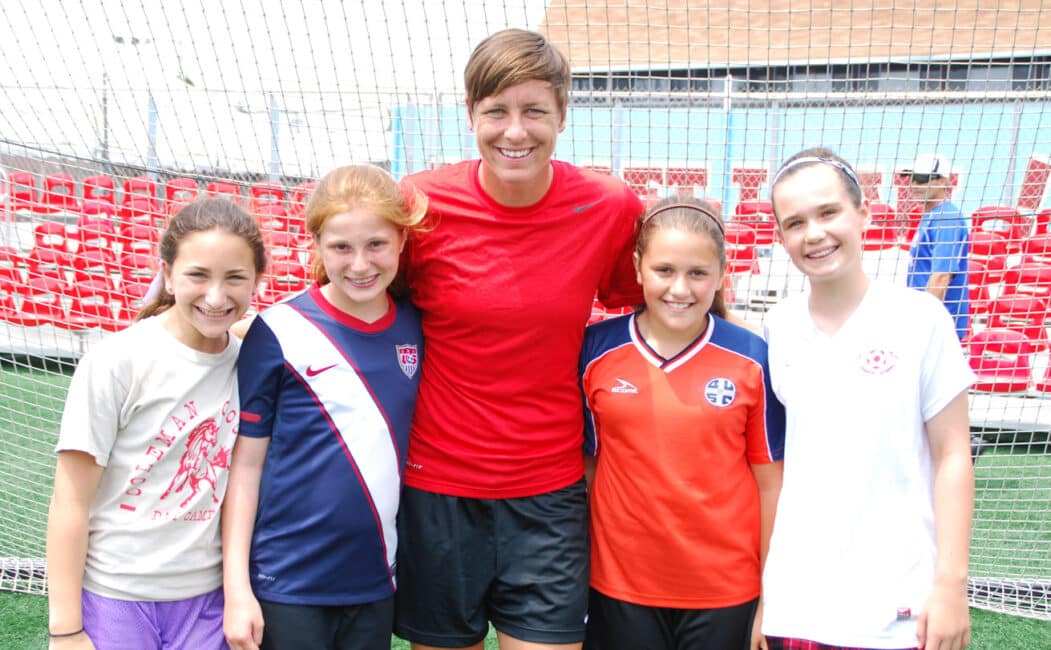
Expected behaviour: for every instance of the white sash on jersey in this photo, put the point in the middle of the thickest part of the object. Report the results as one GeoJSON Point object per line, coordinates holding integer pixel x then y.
{"type": "Point", "coordinates": [347, 400]}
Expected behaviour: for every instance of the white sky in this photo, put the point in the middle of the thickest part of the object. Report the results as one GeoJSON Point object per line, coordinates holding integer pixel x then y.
{"type": "Point", "coordinates": [334, 69]}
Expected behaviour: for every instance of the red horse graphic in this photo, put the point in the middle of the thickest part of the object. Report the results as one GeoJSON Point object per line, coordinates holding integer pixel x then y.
{"type": "Point", "coordinates": [195, 467]}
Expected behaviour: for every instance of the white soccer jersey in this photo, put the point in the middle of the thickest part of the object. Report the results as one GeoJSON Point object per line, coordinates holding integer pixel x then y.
{"type": "Point", "coordinates": [852, 555]}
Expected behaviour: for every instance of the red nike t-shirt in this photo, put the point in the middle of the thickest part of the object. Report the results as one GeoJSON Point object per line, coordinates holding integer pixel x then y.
{"type": "Point", "coordinates": [505, 294]}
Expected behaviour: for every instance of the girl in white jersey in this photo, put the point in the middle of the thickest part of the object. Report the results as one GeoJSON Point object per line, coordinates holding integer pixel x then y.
{"type": "Point", "coordinates": [870, 542]}
{"type": "Point", "coordinates": [143, 450]}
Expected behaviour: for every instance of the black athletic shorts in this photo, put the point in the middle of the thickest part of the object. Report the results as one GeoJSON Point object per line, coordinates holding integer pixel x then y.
{"type": "Point", "coordinates": [520, 563]}
{"type": "Point", "coordinates": [618, 625]}
{"type": "Point", "coordinates": [318, 627]}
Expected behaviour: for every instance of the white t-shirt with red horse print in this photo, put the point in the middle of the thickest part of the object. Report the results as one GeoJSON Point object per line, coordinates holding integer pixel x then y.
{"type": "Point", "coordinates": [161, 418]}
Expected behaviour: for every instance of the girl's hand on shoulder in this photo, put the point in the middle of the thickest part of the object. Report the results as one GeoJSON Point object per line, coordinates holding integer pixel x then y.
{"type": "Point", "coordinates": [243, 622]}
{"type": "Point", "coordinates": [76, 642]}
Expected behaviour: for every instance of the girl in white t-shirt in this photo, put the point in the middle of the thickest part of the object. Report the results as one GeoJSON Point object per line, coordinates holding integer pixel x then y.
{"type": "Point", "coordinates": [143, 450]}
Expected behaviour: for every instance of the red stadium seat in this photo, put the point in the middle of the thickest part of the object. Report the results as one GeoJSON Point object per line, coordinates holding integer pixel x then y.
{"type": "Point", "coordinates": [99, 188]}
{"type": "Point", "coordinates": [9, 309]}
{"type": "Point", "coordinates": [1022, 313]}
{"type": "Point", "coordinates": [688, 182]}
{"type": "Point", "coordinates": [978, 292]}
{"type": "Point", "coordinates": [750, 180]}
{"type": "Point", "coordinates": [90, 264]}
{"type": "Point", "coordinates": [11, 259]}
{"type": "Point", "coordinates": [1004, 221]}
{"type": "Point", "coordinates": [883, 229]}
{"type": "Point", "coordinates": [760, 216]}
{"type": "Point", "coordinates": [646, 182]}
{"type": "Point", "coordinates": [1037, 248]}
{"type": "Point", "coordinates": [90, 307]}
{"type": "Point", "coordinates": [42, 303]}
{"type": "Point", "coordinates": [48, 263]}
{"type": "Point", "coordinates": [224, 190]}
{"type": "Point", "coordinates": [297, 203]}
{"type": "Point", "coordinates": [50, 255]}
{"type": "Point", "coordinates": [1043, 221]}
{"type": "Point", "coordinates": [51, 234]}
{"type": "Point", "coordinates": [903, 201]}
{"type": "Point", "coordinates": [98, 209]}
{"type": "Point", "coordinates": [871, 181]}
{"type": "Point", "coordinates": [141, 187]}
{"type": "Point", "coordinates": [283, 245]}
{"type": "Point", "coordinates": [266, 193]}
{"type": "Point", "coordinates": [142, 211]}
{"type": "Point", "coordinates": [60, 193]}
{"type": "Point", "coordinates": [23, 191]}
{"type": "Point", "coordinates": [1034, 183]}
{"type": "Point", "coordinates": [297, 206]}
{"type": "Point", "coordinates": [741, 253]}
{"type": "Point", "coordinates": [12, 270]}
{"type": "Point", "coordinates": [136, 268]}
{"type": "Point", "coordinates": [1000, 359]}
{"type": "Point", "coordinates": [271, 217]}
{"type": "Point", "coordinates": [130, 298]}
{"type": "Point", "coordinates": [1028, 279]}
{"type": "Point", "coordinates": [180, 190]}
{"type": "Point", "coordinates": [991, 250]}
{"type": "Point", "coordinates": [139, 238]}
{"type": "Point", "coordinates": [909, 224]}
{"type": "Point", "coordinates": [284, 278]}
{"type": "Point", "coordinates": [94, 232]}
{"type": "Point", "coordinates": [12, 281]}
{"type": "Point", "coordinates": [600, 312]}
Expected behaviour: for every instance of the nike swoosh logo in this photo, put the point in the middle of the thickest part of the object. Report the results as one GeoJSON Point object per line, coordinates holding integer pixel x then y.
{"type": "Point", "coordinates": [581, 208]}
{"type": "Point", "coordinates": [313, 373]}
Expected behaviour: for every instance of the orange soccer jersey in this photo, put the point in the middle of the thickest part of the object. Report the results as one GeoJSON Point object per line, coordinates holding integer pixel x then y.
{"type": "Point", "coordinates": [674, 505]}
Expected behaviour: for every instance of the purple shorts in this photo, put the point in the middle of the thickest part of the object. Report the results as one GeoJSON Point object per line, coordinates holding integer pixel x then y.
{"type": "Point", "coordinates": [155, 625]}
{"type": "Point", "coordinates": [778, 643]}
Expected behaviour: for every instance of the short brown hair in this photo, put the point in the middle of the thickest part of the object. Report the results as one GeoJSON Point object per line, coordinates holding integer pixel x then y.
{"type": "Point", "coordinates": [814, 156]}
{"type": "Point", "coordinates": [513, 56]}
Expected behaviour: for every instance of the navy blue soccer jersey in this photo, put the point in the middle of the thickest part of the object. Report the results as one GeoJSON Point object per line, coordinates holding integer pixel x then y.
{"type": "Point", "coordinates": [335, 396]}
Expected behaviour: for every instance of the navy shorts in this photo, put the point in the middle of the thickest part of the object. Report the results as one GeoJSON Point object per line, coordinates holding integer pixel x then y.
{"type": "Point", "coordinates": [618, 625]}
{"type": "Point", "coordinates": [320, 627]}
{"type": "Point", "coordinates": [520, 563]}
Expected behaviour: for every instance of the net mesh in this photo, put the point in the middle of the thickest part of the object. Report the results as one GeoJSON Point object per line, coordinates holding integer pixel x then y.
{"type": "Point", "coordinates": [117, 113]}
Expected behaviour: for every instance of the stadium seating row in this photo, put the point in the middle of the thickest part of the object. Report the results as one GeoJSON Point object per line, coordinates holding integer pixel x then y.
{"type": "Point", "coordinates": [140, 194]}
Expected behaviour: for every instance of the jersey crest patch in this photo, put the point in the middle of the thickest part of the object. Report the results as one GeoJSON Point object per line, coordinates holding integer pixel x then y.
{"type": "Point", "coordinates": [720, 392]}
{"type": "Point", "coordinates": [408, 358]}
{"type": "Point", "coordinates": [877, 362]}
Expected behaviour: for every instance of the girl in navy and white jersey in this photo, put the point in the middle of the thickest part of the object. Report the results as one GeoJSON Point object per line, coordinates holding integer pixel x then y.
{"type": "Point", "coordinates": [328, 388]}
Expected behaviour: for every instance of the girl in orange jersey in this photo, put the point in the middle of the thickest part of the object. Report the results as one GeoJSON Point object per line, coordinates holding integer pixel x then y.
{"type": "Point", "coordinates": [687, 440]}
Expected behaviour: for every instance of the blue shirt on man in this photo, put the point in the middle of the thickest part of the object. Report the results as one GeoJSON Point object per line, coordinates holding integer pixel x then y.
{"type": "Point", "coordinates": [942, 245]}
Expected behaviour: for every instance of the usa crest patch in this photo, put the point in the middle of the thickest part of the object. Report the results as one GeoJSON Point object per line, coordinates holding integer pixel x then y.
{"type": "Point", "coordinates": [408, 358]}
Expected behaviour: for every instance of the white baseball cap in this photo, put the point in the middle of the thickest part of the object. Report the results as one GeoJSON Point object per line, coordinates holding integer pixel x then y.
{"type": "Point", "coordinates": [929, 164]}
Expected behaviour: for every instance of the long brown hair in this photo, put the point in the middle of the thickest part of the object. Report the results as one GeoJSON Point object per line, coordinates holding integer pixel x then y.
{"type": "Point", "coordinates": [689, 215]}
{"type": "Point", "coordinates": [200, 216]}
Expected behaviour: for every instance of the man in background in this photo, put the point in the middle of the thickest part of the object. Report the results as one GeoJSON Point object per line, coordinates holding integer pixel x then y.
{"type": "Point", "coordinates": [938, 254]}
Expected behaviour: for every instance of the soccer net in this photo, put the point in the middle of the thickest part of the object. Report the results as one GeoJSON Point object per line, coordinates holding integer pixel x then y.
{"type": "Point", "coordinates": [117, 113]}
